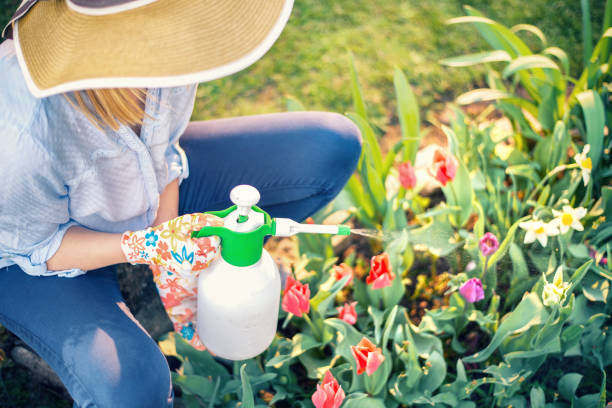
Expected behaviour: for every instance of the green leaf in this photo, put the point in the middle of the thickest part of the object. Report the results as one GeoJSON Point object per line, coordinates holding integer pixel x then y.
{"type": "Point", "coordinates": [568, 384]}
{"type": "Point", "coordinates": [195, 385]}
{"type": "Point", "coordinates": [436, 373]}
{"type": "Point", "coordinates": [482, 95]}
{"type": "Point", "coordinates": [529, 312]}
{"type": "Point", "coordinates": [408, 114]}
{"type": "Point", "coordinates": [587, 33]}
{"type": "Point", "coordinates": [371, 149]}
{"type": "Point", "coordinates": [374, 384]}
{"type": "Point", "coordinates": [363, 402]}
{"type": "Point", "coordinates": [478, 58]}
{"type": "Point", "coordinates": [202, 362]}
{"type": "Point", "coordinates": [537, 397]}
{"type": "Point", "coordinates": [247, 392]}
{"type": "Point", "coordinates": [560, 55]}
{"type": "Point", "coordinates": [533, 30]}
{"type": "Point", "coordinates": [524, 170]}
{"type": "Point", "coordinates": [594, 288]}
{"type": "Point", "coordinates": [324, 298]}
{"type": "Point", "coordinates": [505, 245]}
{"type": "Point", "coordinates": [389, 325]}
{"type": "Point", "coordinates": [301, 343]}
{"type": "Point", "coordinates": [361, 199]}
{"type": "Point", "coordinates": [358, 101]}
{"type": "Point", "coordinates": [459, 193]}
{"type": "Point", "coordinates": [529, 62]}
{"type": "Point", "coordinates": [377, 318]}
{"type": "Point", "coordinates": [594, 116]}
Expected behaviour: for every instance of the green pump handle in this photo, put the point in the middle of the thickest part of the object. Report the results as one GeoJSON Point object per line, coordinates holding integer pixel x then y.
{"type": "Point", "coordinates": [239, 248]}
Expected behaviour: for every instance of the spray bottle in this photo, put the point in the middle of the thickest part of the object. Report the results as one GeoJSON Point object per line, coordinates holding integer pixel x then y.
{"type": "Point", "coordinates": [239, 293]}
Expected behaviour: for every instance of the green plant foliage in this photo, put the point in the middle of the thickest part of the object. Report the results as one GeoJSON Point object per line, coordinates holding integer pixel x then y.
{"type": "Point", "coordinates": [539, 333]}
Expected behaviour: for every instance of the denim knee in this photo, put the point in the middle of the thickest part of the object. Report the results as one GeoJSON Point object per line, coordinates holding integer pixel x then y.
{"type": "Point", "coordinates": [123, 371]}
{"type": "Point", "coordinates": [342, 140]}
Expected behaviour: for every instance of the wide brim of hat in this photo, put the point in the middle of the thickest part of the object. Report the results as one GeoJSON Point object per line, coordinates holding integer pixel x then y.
{"type": "Point", "coordinates": [162, 44]}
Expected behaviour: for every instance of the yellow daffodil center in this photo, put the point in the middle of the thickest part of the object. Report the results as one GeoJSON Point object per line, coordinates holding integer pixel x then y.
{"type": "Point", "coordinates": [586, 164]}
{"type": "Point", "coordinates": [567, 219]}
{"type": "Point", "coordinates": [540, 230]}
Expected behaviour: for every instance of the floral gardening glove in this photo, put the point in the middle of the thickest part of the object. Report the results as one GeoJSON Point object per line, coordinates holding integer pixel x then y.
{"type": "Point", "coordinates": [170, 245]}
{"type": "Point", "coordinates": [175, 260]}
{"type": "Point", "coordinates": [178, 293]}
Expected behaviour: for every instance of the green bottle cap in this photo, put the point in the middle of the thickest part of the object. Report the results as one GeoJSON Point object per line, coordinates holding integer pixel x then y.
{"type": "Point", "coordinates": [239, 248]}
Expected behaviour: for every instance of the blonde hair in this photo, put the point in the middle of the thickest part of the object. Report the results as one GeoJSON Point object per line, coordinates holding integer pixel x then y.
{"type": "Point", "coordinates": [111, 107]}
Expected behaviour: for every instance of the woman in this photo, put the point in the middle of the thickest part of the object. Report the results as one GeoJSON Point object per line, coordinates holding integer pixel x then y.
{"type": "Point", "coordinates": [87, 166]}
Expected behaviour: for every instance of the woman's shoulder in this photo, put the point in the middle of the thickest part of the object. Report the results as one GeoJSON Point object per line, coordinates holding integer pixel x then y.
{"type": "Point", "coordinates": [17, 105]}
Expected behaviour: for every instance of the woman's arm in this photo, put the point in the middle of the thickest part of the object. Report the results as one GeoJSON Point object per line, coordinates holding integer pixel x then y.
{"type": "Point", "coordinates": [86, 249]}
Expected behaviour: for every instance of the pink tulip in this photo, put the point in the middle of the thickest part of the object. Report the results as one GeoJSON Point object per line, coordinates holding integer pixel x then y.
{"type": "Point", "coordinates": [488, 244]}
{"type": "Point", "coordinates": [329, 394]}
{"type": "Point", "coordinates": [367, 356]}
{"type": "Point", "coordinates": [342, 270]}
{"type": "Point", "coordinates": [347, 313]}
{"type": "Point", "coordinates": [472, 290]}
{"type": "Point", "coordinates": [296, 297]}
{"type": "Point", "coordinates": [444, 166]}
{"type": "Point", "coordinates": [380, 272]}
{"type": "Point", "coordinates": [407, 176]}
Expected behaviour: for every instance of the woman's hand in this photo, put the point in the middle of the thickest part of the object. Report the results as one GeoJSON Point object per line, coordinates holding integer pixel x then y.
{"type": "Point", "coordinates": [170, 245]}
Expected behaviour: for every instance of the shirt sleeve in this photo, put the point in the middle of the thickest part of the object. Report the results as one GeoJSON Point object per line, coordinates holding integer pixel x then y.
{"type": "Point", "coordinates": [183, 99]}
{"type": "Point", "coordinates": [34, 214]}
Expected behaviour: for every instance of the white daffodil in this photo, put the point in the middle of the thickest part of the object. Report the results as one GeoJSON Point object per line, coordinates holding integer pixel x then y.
{"type": "Point", "coordinates": [538, 229]}
{"type": "Point", "coordinates": [585, 163]}
{"type": "Point", "coordinates": [554, 293]}
{"type": "Point", "coordinates": [568, 218]}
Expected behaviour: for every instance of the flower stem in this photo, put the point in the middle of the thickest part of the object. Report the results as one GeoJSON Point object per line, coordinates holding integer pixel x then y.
{"type": "Point", "coordinates": [315, 331]}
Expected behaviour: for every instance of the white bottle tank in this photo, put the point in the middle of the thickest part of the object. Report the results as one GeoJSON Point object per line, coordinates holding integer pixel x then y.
{"type": "Point", "coordinates": [239, 293]}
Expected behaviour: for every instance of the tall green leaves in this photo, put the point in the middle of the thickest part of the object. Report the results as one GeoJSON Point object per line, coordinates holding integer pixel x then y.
{"type": "Point", "coordinates": [408, 114]}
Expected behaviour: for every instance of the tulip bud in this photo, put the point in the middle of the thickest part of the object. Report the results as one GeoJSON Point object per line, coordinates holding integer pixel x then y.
{"type": "Point", "coordinates": [296, 297]}
{"type": "Point", "coordinates": [380, 272]}
{"type": "Point", "coordinates": [488, 244]}
{"type": "Point", "coordinates": [407, 176]}
{"type": "Point", "coordinates": [367, 356]}
{"type": "Point", "coordinates": [329, 394]}
{"type": "Point", "coordinates": [348, 313]}
{"type": "Point", "coordinates": [472, 290]}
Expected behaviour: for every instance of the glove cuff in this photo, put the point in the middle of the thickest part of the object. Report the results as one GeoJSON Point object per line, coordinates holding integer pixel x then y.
{"type": "Point", "coordinates": [134, 247]}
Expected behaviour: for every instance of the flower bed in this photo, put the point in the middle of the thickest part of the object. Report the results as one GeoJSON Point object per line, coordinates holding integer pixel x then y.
{"type": "Point", "coordinates": [522, 316]}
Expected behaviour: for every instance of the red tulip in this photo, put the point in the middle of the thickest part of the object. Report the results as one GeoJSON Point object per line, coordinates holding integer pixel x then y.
{"type": "Point", "coordinates": [444, 166]}
{"type": "Point", "coordinates": [296, 297]}
{"type": "Point", "coordinates": [347, 312]}
{"type": "Point", "coordinates": [367, 356]}
{"type": "Point", "coordinates": [342, 270]}
{"type": "Point", "coordinates": [380, 272]}
{"type": "Point", "coordinates": [329, 394]}
{"type": "Point", "coordinates": [407, 176]}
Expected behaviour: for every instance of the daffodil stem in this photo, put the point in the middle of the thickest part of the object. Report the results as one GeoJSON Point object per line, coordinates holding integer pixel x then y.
{"type": "Point", "coordinates": [554, 171]}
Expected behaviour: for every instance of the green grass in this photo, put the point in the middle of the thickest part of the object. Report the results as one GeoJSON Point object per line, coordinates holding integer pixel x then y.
{"type": "Point", "coordinates": [309, 62]}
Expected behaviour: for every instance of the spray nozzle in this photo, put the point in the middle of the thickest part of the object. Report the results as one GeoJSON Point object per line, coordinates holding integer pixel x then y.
{"type": "Point", "coordinates": [286, 227]}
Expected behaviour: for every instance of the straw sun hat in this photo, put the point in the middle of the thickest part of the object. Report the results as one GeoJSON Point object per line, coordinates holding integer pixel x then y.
{"type": "Point", "coordinates": [67, 45]}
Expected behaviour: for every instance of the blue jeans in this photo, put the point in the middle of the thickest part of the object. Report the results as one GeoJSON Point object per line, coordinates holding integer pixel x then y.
{"type": "Point", "coordinates": [81, 326]}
